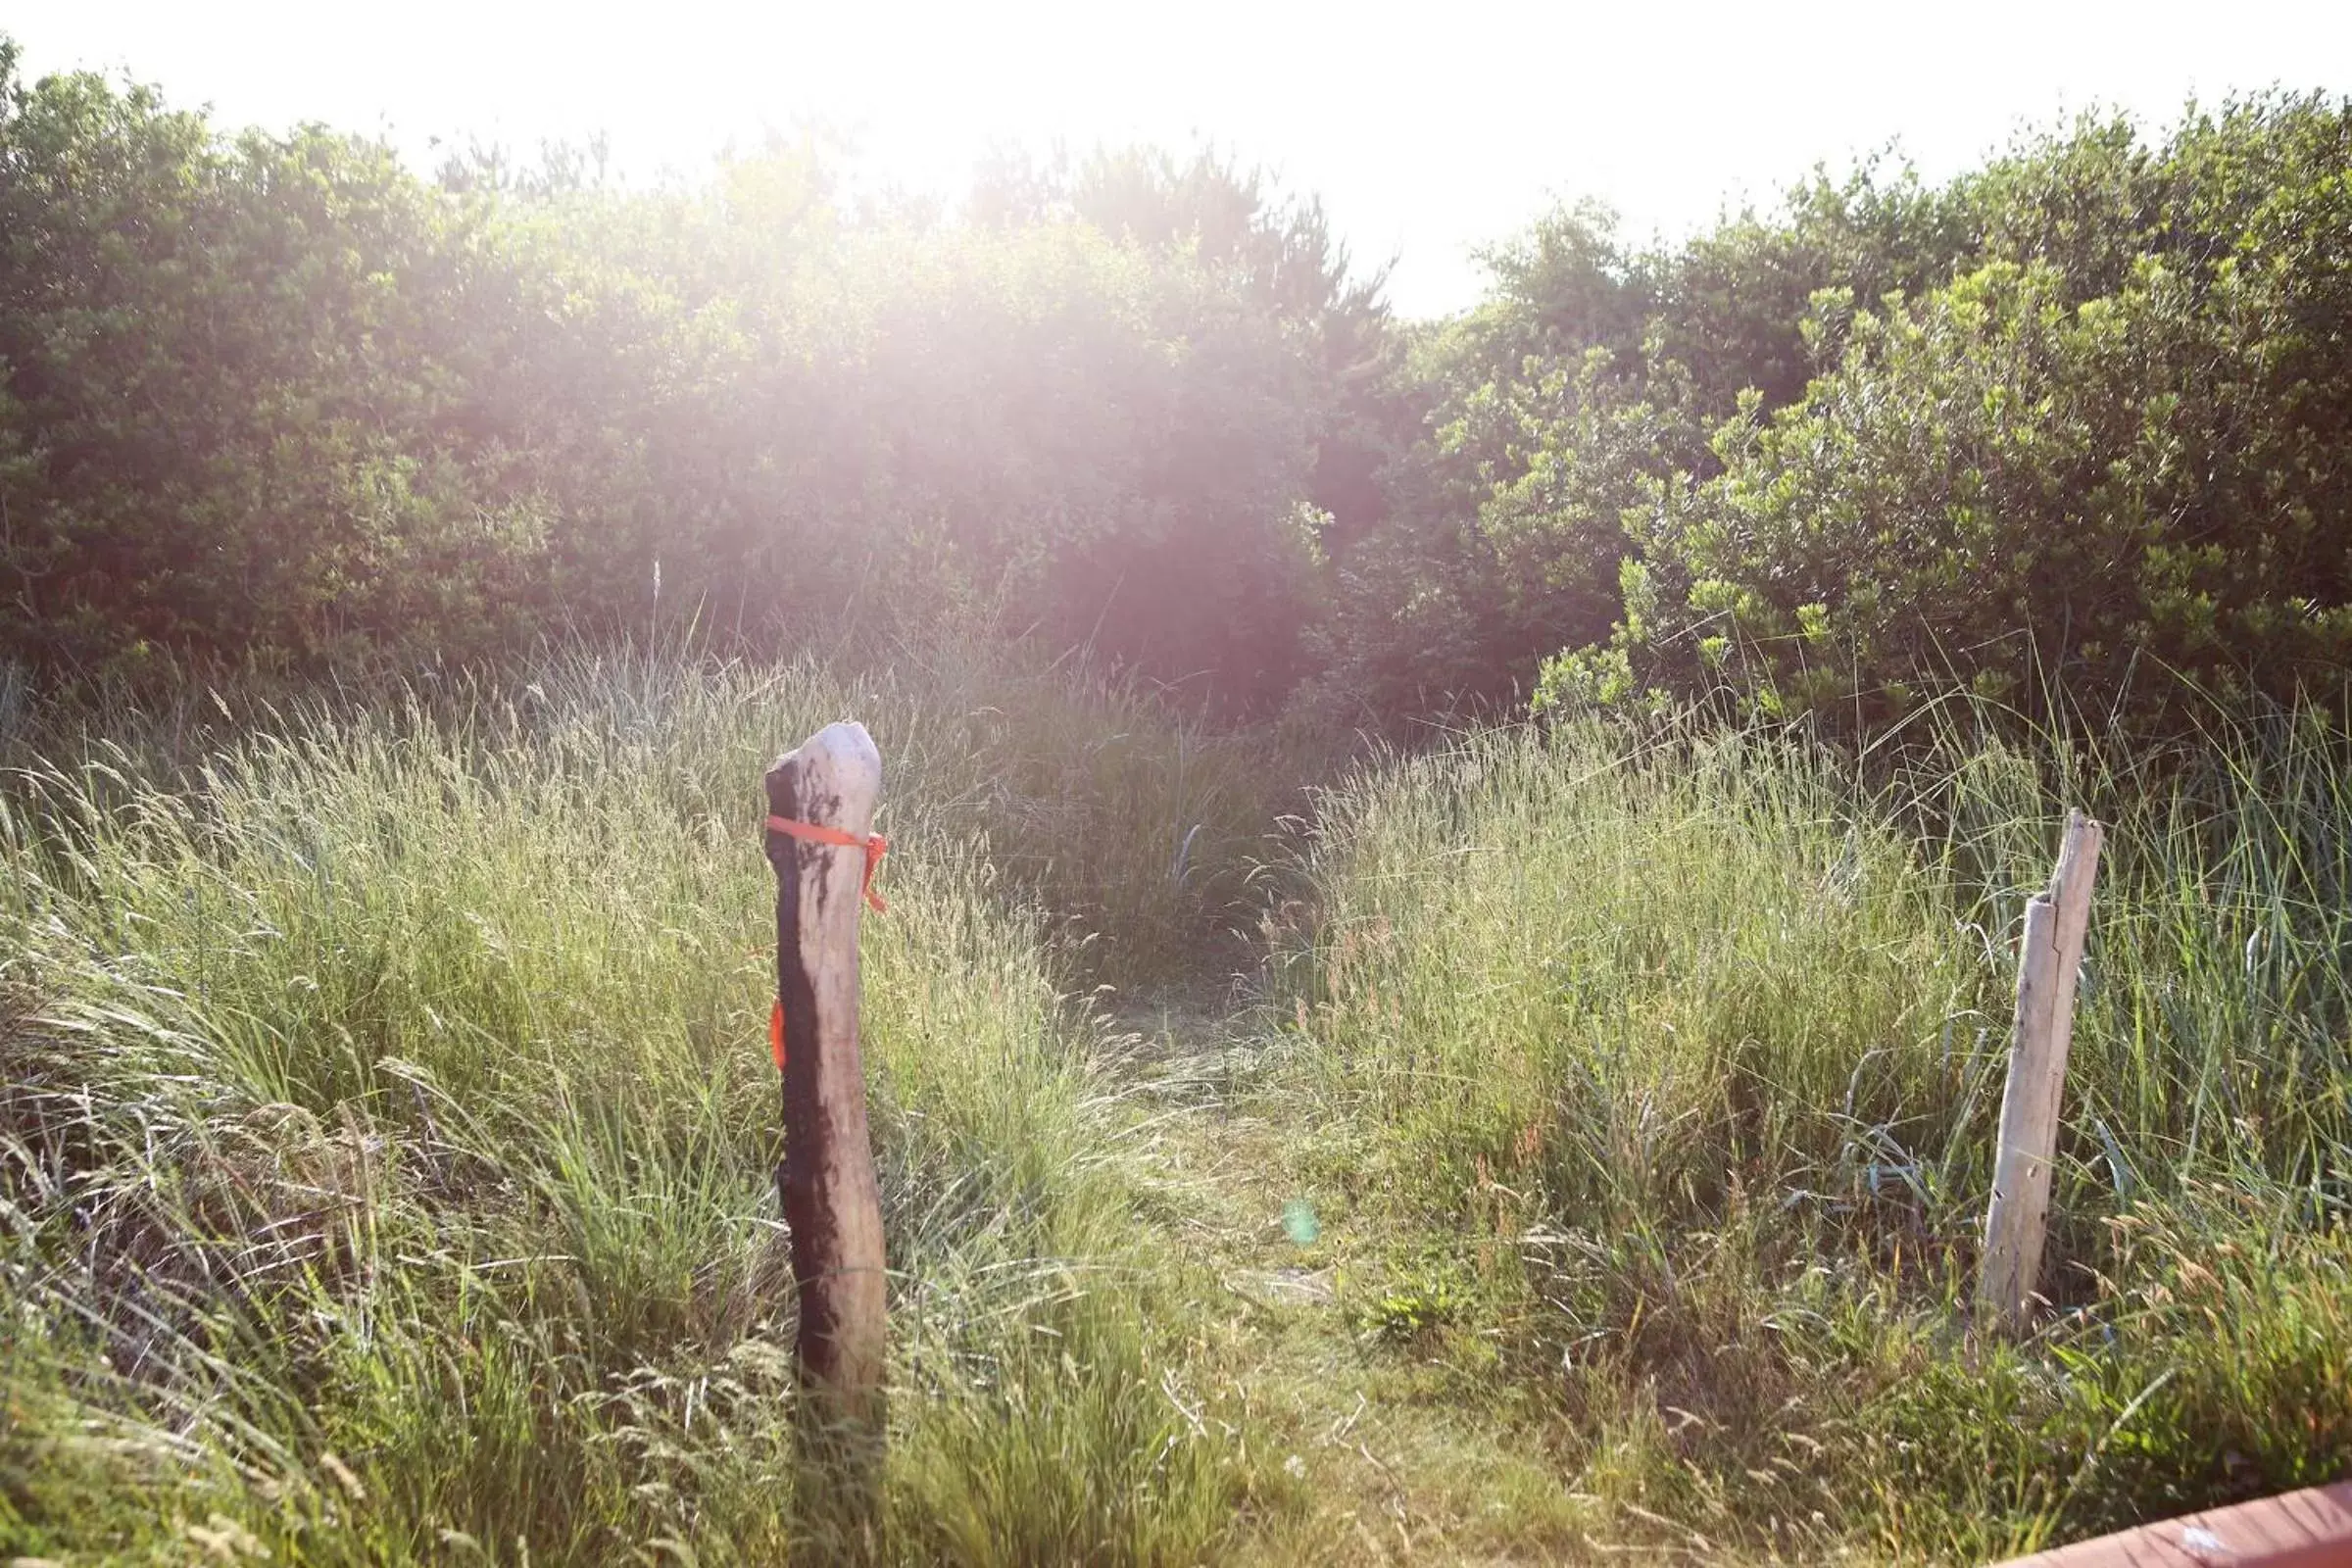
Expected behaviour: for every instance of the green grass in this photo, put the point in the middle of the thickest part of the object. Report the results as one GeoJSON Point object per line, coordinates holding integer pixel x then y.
{"type": "Point", "coordinates": [1680, 1053]}
{"type": "Point", "coordinates": [387, 1134]}
{"type": "Point", "coordinates": [388, 1129]}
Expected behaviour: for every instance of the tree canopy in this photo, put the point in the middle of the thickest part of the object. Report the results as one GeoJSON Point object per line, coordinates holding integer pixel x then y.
{"type": "Point", "coordinates": [2076, 420]}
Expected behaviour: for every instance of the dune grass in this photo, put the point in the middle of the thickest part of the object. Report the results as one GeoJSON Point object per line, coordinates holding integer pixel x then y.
{"type": "Point", "coordinates": [387, 1152]}
{"type": "Point", "coordinates": [1663, 1068]}
{"type": "Point", "coordinates": [387, 1139]}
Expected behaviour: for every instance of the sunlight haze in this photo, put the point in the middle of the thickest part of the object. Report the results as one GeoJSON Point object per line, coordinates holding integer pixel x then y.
{"type": "Point", "coordinates": [1427, 131]}
{"type": "Point", "coordinates": [1459, 975]}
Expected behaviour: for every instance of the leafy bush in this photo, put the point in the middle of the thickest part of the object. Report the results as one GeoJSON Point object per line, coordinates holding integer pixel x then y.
{"type": "Point", "coordinates": [277, 394]}
{"type": "Point", "coordinates": [2074, 420]}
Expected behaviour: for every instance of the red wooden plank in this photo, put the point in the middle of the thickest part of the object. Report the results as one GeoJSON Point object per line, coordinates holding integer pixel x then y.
{"type": "Point", "coordinates": [2308, 1529]}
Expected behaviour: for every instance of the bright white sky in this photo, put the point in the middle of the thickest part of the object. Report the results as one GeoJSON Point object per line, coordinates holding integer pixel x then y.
{"type": "Point", "coordinates": [1428, 130]}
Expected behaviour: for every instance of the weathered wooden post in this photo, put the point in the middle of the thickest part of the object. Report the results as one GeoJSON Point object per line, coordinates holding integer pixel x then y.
{"type": "Point", "coordinates": [2047, 961]}
{"type": "Point", "coordinates": [820, 840]}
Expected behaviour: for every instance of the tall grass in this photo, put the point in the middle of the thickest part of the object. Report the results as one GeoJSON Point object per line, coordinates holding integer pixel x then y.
{"type": "Point", "coordinates": [387, 1139]}
{"type": "Point", "coordinates": [1685, 1048]}
{"type": "Point", "coordinates": [386, 1151]}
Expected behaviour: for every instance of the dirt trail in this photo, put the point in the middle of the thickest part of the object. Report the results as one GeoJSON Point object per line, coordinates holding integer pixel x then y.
{"type": "Point", "coordinates": [1402, 1451]}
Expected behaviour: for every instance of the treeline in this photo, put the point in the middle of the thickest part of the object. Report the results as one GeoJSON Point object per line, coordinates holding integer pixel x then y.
{"type": "Point", "coordinates": [2079, 421]}
{"type": "Point", "coordinates": [2078, 418]}
{"type": "Point", "coordinates": [281, 393]}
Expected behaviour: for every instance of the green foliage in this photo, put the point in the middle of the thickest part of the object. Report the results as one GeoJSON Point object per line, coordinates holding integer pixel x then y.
{"type": "Point", "coordinates": [1686, 1047]}
{"type": "Point", "coordinates": [1414, 1299]}
{"type": "Point", "coordinates": [386, 1150]}
{"type": "Point", "coordinates": [2007, 486]}
{"type": "Point", "coordinates": [385, 1138]}
{"type": "Point", "coordinates": [228, 405]}
{"type": "Point", "coordinates": [279, 394]}
{"type": "Point", "coordinates": [2072, 421]}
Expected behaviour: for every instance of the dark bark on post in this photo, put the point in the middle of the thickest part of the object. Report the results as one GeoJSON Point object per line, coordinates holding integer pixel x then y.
{"type": "Point", "coordinates": [830, 1197]}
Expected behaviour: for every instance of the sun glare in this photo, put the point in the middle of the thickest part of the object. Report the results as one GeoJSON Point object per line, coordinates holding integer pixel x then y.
{"type": "Point", "coordinates": [1428, 131]}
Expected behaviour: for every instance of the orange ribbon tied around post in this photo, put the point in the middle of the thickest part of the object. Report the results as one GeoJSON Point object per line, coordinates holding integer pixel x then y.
{"type": "Point", "coordinates": [875, 847]}
{"type": "Point", "coordinates": [874, 844]}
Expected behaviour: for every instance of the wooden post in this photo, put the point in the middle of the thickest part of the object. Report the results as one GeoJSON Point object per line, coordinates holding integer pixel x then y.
{"type": "Point", "coordinates": [2047, 961]}
{"type": "Point", "coordinates": [831, 1199]}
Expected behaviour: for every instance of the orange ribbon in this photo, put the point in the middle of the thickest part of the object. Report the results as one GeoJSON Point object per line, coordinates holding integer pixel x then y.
{"type": "Point", "coordinates": [874, 844]}
{"type": "Point", "coordinates": [875, 847]}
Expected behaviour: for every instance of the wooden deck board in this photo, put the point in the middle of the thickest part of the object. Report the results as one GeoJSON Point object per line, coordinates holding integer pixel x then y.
{"type": "Point", "coordinates": [2308, 1529]}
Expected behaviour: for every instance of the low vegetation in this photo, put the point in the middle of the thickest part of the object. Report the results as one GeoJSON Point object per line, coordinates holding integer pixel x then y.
{"type": "Point", "coordinates": [1659, 1070]}
{"type": "Point", "coordinates": [388, 1140]}
{"type": "Point", "coordinates": [388, 1137]}
{"type": "Point", "coordinates": [1453, 883]}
